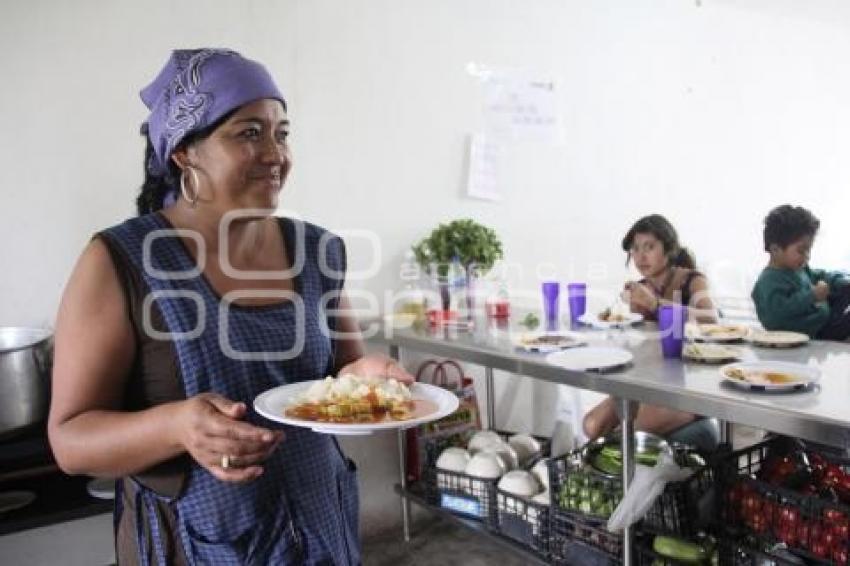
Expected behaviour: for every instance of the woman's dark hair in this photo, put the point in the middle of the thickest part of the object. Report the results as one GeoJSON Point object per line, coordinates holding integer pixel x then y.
{"type": "Point", "coordinates": [786, 224]}
{"type": "Point", "coordinates": [156, 187]}
{"type": "Point", "coordinates": [660, 227]}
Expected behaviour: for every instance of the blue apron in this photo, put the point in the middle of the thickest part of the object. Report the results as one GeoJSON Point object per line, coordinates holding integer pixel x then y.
{"type": "Point", "coordinates": [304, 508]}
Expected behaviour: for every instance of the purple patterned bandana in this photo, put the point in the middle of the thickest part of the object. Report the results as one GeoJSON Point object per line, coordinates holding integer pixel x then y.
{"type": "Point", "coordinates": [195, 88]}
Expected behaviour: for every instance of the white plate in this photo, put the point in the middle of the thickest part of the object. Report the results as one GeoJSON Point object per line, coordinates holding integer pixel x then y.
{"type": "Point", "coordinates": [710, 353]}
{"type": "Point", "coordinates": [805, 375]}
{"type": "Point", "coordinates": [592, 319]}
{"type": "Point", "coordinates": [777, 338]}
{"type": "Point", "coordinates": [11, 500]}
{"type": "Point", "coordinates": [569, 340]}
{"type": "Point", "coordinates": [717, 332]}
{"type": "Point", "coordinates": [590, 358]}
{"type": "Point", "coordinates": [272, 403]}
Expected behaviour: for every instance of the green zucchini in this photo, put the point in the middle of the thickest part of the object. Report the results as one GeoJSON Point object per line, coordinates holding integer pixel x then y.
{"type": "Point", "coordinates": [681, 550]}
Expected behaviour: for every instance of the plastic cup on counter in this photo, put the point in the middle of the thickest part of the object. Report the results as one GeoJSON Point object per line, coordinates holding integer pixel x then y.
{"type": "Point", "coordinates": [551, 303]}
{"type": "Point", "coordinates": [671, 324]}
{"type": "Point", "coordinates": [577, 297]}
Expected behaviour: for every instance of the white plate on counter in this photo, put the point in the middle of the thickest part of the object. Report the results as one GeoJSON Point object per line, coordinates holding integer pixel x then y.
{"type": "Point", "coordinates": [777, 338]}
{"type": "Point", "coordinates": [720, 333]}
{"type": "Point", "coordinates": [591, 358]}
{"type": "Point", "coordinates": [273, 403]}
{"type": "Point", "coordinates": [710, 353]}
{"type": "Point", "coordinates": [544, 342]}
{"type": "Point", "coordinates": [770, 375]}
{"type": "Point", "coordinates": [592, 319]}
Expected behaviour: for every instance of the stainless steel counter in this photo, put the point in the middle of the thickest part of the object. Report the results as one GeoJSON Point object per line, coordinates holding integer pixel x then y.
{"type": "Point", "coordinates": [821, 414]}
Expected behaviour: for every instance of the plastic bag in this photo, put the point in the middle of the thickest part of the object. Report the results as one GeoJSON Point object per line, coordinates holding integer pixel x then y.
{"type": "Point", "coordinates": [647, 485]}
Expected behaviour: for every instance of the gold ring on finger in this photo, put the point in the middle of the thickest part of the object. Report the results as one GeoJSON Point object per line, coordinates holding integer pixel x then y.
{"type": "Point", "coordinates": [226, 461]}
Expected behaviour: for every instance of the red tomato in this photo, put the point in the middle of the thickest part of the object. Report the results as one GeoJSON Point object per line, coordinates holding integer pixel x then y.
{"type": "Point", "coordinates": [828, 539]}
{"type": "Point", "coordinates": [820, 549]}
{"type": "Point", "coordinates": [833, 477]}
{"type": "Point", "coordinates": [804, 534]}
{"type": "Point", "coordinates": [751, 504]}
{"type": "Point", "coordinates": [788, 536]}
{"type": "Point", "coordinates": [818, 464]}
{"type": "Point", "coordinates": [843, 489]}
{"type": "Point", "coordinates": [841, 529]}
{"type": "Point", "coordinates": [789, 516]}
{"type": "Point", "coordinates": [758, 523]}
{"type": "Point", "coordinates": [834, 515]}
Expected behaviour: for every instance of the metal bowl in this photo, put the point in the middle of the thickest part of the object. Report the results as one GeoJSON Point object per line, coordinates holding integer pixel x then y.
{"type": "Point", "coordinates": [645, 443]}
{"type": "Point", "coordinates": [25, 360]}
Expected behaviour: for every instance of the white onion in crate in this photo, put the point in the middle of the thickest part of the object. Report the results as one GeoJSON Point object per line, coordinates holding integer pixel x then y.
{"type": "Point", "coordinates": [483, 438]}
{"type": "Point", "coordinates": [520, 483]}
{"type": "Point", "coordinates": [453, 459]}
{"type": "Point", "coordinates": [505, 452]}
{"type": "Point", "coordinates": [485, 465]}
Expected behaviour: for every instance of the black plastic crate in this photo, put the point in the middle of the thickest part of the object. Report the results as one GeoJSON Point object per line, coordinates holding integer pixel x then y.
{"type": "Point", "coordinates": [739, 553]}
{"type": "Point", "coordinates": [467, 495]}
{"type": "Point", "coordinates": [684, 508]}
{"type": "Point", "coordinates": [762, 514]}
{"type": "Point", "coordinates": [464, 494]}
{"type": "Point", "coordinates": [523, 520]}
{"type": "Point", "coordinates": [568, 529]}
{"type": "Point", "coordinates": [581, 491]}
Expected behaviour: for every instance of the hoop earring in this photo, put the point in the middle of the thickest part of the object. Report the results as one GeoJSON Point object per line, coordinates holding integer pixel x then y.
{"type": "Point", "coordinates": [192, 201]}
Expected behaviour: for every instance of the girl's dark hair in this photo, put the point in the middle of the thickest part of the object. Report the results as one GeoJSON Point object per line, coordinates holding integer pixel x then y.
{"type": "Point", "coordinates": [660, 227]}
{"type": "Point", "coordinates": [156, 187]}
{"type": "Point", "coordinates": [786, 224]}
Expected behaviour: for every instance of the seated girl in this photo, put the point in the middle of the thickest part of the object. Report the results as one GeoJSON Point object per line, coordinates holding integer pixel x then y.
{"type": "Point", "coordinates": [669, 275]}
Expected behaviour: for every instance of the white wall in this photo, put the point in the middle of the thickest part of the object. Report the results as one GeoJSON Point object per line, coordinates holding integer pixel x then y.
{"type": "Point", "coordinates": [709, 111]}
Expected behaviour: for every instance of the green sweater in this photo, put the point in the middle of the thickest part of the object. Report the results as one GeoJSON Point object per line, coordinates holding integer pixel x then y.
{"type": "Point", "coordinates": [785, 301]}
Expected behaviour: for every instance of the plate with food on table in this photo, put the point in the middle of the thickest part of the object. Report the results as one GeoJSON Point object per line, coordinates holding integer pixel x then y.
{"type": "Point", "coordinates": [770, 375]}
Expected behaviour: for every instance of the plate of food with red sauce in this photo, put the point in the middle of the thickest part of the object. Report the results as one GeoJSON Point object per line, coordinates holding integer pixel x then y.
{"type": "Point", "coordinates": [353, 404]}
{"type": "Point", "coordinates": [770, 375]}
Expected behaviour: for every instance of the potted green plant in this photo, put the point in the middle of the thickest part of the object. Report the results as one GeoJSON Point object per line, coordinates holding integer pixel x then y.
{"type": "Point", "coordinates": [474, 246]}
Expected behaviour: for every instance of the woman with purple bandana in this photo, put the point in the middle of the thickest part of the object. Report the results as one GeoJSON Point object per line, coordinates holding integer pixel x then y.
{"type": "Point", "coordinates": [173, 321]}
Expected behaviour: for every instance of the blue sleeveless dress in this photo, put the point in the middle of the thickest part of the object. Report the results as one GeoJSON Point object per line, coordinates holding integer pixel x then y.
{"type": "Point", "coordinates": [304, 508]}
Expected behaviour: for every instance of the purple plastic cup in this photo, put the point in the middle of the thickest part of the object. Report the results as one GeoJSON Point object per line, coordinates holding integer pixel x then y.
{"type": "Point", "coordinates": [671, 323]}
{"type": "Point", "coordinates": [577, 296]}
{"type": "Point", "coordinates": [551, 304]}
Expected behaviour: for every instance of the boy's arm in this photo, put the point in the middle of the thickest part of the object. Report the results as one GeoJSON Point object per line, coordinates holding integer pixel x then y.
{"type": "Point", "coordinates": [832, 278]}
{"type": "Point", "coordinates": [781, 298]}
{"type": "Point", "coordinates": [794, 304]}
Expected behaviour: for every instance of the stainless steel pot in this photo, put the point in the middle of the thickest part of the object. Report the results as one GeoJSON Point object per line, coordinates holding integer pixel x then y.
{"type": "Point", "coordinates": [25, 363]}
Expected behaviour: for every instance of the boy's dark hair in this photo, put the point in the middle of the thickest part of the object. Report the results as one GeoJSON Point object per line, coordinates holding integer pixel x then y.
{"type": "Point", "coordinates": [786, 224]}
{"type": "Point", "coordinates": [660, 227]}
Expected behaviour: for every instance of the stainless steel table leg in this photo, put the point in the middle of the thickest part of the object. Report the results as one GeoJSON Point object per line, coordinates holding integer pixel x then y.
{"type": "Point", "coordinates": [725, 431]}
{"type": "Point", "coordinates": [491, 397]}
{"type": "Point", "coordinates": [395, 353]}
{"type": "Point", "coordinates": [627, 413]}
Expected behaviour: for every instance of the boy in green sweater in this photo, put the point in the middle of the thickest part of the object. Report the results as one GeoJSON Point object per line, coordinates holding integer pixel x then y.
{"type": "Point", "coordinates": [789, 295]}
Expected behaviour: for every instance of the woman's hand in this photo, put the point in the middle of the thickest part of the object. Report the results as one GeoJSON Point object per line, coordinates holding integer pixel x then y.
{"type": "Point", "coordinates": [641, 299]}
{"type": "Point", "coordinates": [378, 365]}
{"type": "Point", "coordinates": [211, 430]}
